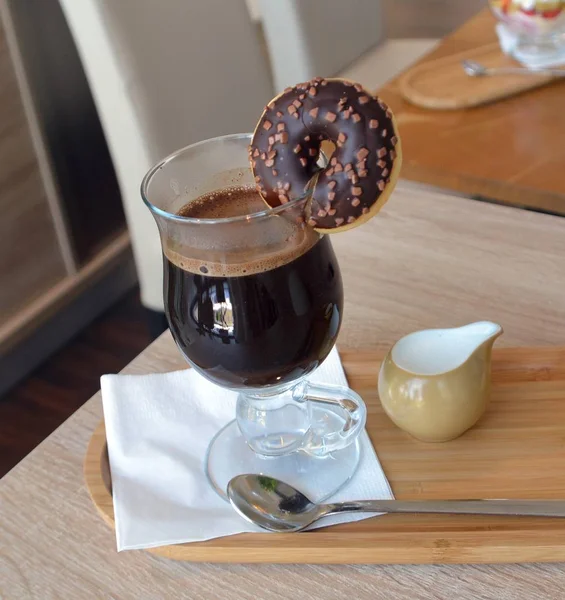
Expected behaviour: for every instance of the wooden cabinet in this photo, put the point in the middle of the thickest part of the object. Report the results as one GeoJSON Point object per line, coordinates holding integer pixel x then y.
{"type": "Point", "coordinates": [64, 247]}
{"type": "Point", "coordinates": [30, 256]}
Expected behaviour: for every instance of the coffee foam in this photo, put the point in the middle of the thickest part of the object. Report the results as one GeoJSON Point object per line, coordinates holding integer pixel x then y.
{"type": "Point", "coordinates": [231, 201]}
{"type": "Point", "coordinates": [277, 240]}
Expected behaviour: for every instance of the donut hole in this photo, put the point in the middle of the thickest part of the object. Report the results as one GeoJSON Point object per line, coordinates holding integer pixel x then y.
{"type": "Point", "coordinates": [327, 148]}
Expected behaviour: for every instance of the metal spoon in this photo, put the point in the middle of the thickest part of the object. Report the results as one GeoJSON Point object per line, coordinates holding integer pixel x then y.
{"type": "Point", "coordinates": [277, 506]}
{"type": "Point", "coordinates": [475, 69]}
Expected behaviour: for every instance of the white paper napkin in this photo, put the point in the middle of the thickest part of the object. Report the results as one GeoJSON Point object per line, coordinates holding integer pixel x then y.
{"type": "Point", "coordinates": [508, 42]}
{"type": "Point", "coordinates": [158, 428]}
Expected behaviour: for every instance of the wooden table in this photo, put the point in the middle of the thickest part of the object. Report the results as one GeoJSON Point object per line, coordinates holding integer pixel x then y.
{"type": "Point", "coordinates": [427, 260]}
{"type": "Point", "coordinates": [510, 151]}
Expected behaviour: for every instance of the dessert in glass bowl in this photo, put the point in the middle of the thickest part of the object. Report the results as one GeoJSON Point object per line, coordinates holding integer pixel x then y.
{"type": "Point", "coordinates": [539, 24]}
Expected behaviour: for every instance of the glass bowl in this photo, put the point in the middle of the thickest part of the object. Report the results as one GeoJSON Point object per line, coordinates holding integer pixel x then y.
{"type": "Point", "coordinates": [539, 25]}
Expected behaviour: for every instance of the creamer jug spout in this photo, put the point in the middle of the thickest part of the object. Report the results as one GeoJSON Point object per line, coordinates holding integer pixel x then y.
{"type": "Point", "coordinates": [480, 335]}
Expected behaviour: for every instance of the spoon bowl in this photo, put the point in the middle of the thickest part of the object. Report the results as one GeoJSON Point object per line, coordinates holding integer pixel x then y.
{"type": "Point", "coordinates": [271, 504]}
{"type": "Point", "coordinates": [473, 68]}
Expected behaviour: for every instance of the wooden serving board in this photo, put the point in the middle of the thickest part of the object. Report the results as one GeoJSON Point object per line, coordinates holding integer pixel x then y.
{"type": "Point", "coordinates": [517, 450]}
{"type": "Point", "coordinates": [442, 84]}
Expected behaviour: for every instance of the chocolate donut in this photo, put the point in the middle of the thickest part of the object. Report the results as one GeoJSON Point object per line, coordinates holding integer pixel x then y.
{"type": "Point", "coordinates": [363, 169]}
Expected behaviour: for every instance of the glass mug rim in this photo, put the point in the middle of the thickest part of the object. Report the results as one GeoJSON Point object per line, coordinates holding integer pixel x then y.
{"type": "Point", "coordinates": [262, 214]}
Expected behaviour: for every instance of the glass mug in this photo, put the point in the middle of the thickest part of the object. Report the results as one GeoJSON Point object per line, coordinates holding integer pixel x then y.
{"type": "Point", "coordinates": [254, 303]}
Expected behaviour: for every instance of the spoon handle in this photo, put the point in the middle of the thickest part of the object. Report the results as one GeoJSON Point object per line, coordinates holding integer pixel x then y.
{"type": "Point", "coordinates": [525, 71]}
{"type": "Point", "coordinates": [535, 508]}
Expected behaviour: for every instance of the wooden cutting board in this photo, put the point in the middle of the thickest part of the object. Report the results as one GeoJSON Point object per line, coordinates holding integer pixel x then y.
{"type": "Point", "coordinates": [517, 450]}
{"type": "Point", "coordinates": [442, 84]}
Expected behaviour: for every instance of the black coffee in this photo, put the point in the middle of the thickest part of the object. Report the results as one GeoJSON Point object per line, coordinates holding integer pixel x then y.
{"type": "Point", "coordinates": [261, 322]}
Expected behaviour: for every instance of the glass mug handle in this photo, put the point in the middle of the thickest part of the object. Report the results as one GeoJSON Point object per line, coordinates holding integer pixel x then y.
{"type": "Point", "coordinates": [313, 418]}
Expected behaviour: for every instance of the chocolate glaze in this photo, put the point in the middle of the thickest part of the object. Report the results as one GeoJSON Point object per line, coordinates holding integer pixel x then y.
{"type": "Point", "coordinates": [286, 145]}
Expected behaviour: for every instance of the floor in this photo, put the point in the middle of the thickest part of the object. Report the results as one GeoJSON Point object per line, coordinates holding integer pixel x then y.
{"type": "Point", "coordinates": [36, 407]}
